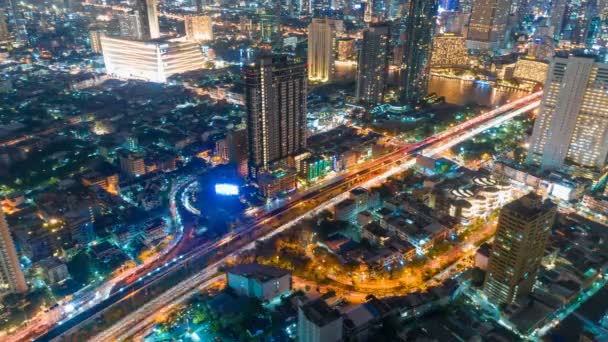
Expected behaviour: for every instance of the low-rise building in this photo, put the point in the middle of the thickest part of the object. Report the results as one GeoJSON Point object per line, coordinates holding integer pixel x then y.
{"type": "Point", "coordinates": [318, 322]}
{"type": "Point", "coordinates": [259, 281]}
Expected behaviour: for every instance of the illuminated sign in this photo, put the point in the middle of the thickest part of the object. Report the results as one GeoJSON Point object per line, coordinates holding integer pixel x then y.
{"type": "Point", "coordinates": [226, 189]}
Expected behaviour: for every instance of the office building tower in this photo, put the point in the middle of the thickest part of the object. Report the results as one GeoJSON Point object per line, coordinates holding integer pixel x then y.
{"type": "Point", "coordinates": [4, 33]}
{"type": "Point", "coordinates": [368, 15]}
{"type": "Point", "coordinates": [449, 51]}
{"type": "Point", "coordinates": [270, 29]}
{"type": "Point", "coordinates": [95, 40]}
{"type": "Point", "coordinates": [11, 277]}
{"type": "Point", "coordinates": [372, 71]}
{"type": "Point", "coordinates": [146, 9]}
{"type": "Point", "coordinates": [321, 49]}
{"type": "Point", "coordinates": [524, 226]}
{"type": "Point", "coordinates": [318, 322]}
{"type": "Point", "coordinates": [416, 43]}
{"type": "Point", "coordinates": [198, 28]}
{"type": "Point", "coordinates": [152, 61]}
{"type": "Point", "coordinates": [130, 26]}
{"type": "Point", "coordinates": [573, 120]}
{"type": "Point", "coordinates": [275, 96]}
{"type": "Point", "coordinates": [488, 24]}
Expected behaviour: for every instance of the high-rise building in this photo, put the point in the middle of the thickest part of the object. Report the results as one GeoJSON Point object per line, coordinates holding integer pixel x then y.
{"type": "Point", "coordinates": [132, 164]}
{"type": "Point", "coordinates": [11, 277]}
{"type": "Point", "coordinates": [95, 40]}
{"type": "Point", "coordinates": [152, 61]}
{"type": "Point", "coordinates": [130, 26]}
{"type": "Point", "coordinates": [275, 96]}
{"type": "Point", "coordinates": [321, 49]}
{"type": "Point", "coordinates": [488, 24]}
{"type": "Point", "coordinates": [270, 29]}
{"type": "Point", "coordinates": [449, 51]}
{"type": "Point", "coordinates": [198, 28]}
{"type": "Point", "coordinates": [573, 120]}
{"type": "Point", "coordinates": [4, 33]}
{"type": "Point", "coordinates": [524, 226]}
{"type": "Point", "coordinates": [416, 42]}
{"type": "Point", "coordinates": [372, 71]}
{"type": "Point", "coordinates": [146, 9]}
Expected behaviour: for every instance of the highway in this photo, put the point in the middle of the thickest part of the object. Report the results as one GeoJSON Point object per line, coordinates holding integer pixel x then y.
{"type": "Point", "coordinates": [202, 262]}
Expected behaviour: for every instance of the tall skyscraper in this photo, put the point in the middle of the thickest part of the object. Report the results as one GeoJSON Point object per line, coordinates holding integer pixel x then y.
{"type": "Point", "coordinates": [146, 10]}
{"type": "Point", "coordinates": [488, 24]}
{"type": "Point", "coordinates": [275, 96]}
{"type": "Point", "coordinates": [524, 226]}
{"type": "Point", "coordinates": [4, 33]}
{"type": "Point", "coordinates": [270, 29]}
{"type": "Point", "coordinates": [11, 277]}
{"type": "Point", "coordinates": [573, 120]}
{"type": "Point", "coordinates": [372, 70]}
{"type": "Point", "coordinates": [321, 49]}
{"type": "Point", "coordinates": [198, 28]}
{"type": "Point", "coordinates": [416, 42]}
{"type": "Point", "coordinates": [95, 40]}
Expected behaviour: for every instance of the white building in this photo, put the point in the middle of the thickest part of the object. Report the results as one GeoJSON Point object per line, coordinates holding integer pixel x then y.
{"type": "Point", "coordinates": [573, 120]}
{"type": "Point", "coordinates": [152, 61]}
{"type": "Point", "coordinates": [260, 281]}
{"type": "Point", "coordinates": [318, 322]}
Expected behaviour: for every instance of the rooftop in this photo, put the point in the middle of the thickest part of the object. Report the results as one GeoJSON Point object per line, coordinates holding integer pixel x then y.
{"type": "Point", "coordinates": [259, 272]}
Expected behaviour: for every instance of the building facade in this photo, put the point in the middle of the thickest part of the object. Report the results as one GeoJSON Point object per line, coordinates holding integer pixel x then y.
{"type": "Point", "coordinates": [152, 61]}
{"type": "Point", "coordinates": [198, 28]}
{"type": "Point", "coordinates": [449, 51]}
{"type": "Point", "coordinates": [275, 97]}
{"type": "Point", "coordinates": [416, 42]}
{"type": "Point", "coordinates": [523, 229]}
{"type": "Point", "coordinates": [259, 281]}
{"type": "Point", "coordinates": [573, 120]}
{"type": "Point", "coordinates": [488, 24]}
{"type": "Point", "coordinates": [4, 33]}
{"type": "Point", "coordinates": [318, 322]}
{"type": "Point", "coordinates": [321, 50]}
{"type": "Point", "coordinates": [146, 10]}
{"type": "Point", "coordinates": [372, 71]}
{"type": "Point", "coordinates": [11, 277]}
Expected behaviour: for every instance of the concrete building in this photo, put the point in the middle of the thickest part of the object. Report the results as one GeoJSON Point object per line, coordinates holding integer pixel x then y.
{"type": "Point", "coordinates": [130, 26]}
{"type": "Point", "coordinates": [488, 24]}
{"type": "Point", "coordinates": [152, 61]}
{"type": "Point", "coordinates": [198, 28]}
{"type": "Point", "coordinates": [95, 40]}
{"type": "Point", "coordinates": [372, 71]}
{"type": "Point", "coordinates": [572, 123]}
{"type": "Point", "coordinates": [11, 277]}
{"type": "Point", "coordinates": [524, 226]}
{"type": "Point", "coordinates": [275, 96]}
{"type": "Point", "coordinates": [318, 322]}
{"type": "Point", "coordinates": [132, 164]}
{"type": "Point", "coordinates": [146, 10]}
{"type": "Point", "coordinates": [321, 49]}
{"type": "Point", "coordinates": [259, 281]}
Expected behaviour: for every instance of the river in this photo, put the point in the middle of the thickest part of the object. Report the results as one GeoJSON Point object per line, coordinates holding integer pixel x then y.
{"type": "Point", "coordinates": [461, 92]}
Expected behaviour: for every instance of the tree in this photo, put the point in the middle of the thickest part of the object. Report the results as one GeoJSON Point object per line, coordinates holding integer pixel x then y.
{"type": "Point", "coordinates": [80, 267]}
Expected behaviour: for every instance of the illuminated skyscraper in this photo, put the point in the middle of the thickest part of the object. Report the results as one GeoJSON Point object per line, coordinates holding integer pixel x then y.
{"type": "Point", "coordinates": [488, 24]}
{"type": "Point", "coordinates": [524, 226]}
{"type": "Point", "coordinates": [275, 96]}
{"type": "Point", "coordinates": [270, 29]}
{"type": "Point", "coordinates": [152, 61]}
{"type": "Point", "coordinates": [130, 26]}
{"type": "Point", "coordinates": [148, 18]}
{"type": "Point", "coordinates": [449, 51]}
{"type": "Point", "coordinates": [573, 120]}
{"type": "Point", "coordinates": [198, 28]}
{"type": "Point", "coordinates": [372, 70]}
{"type": "Point", "coordinates": [11, 277]}
{"type": "Point", "coordinates": [321, 49]}
{"type": "Point", "coordinates": [416, 42]}
{"type": "Point", "coordinates": [4, 34]}
{"type": "Point", "coordinates": [95, 40]}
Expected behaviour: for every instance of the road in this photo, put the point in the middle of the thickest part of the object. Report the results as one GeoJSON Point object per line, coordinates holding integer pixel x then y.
{"type": "Point", "coordinates": [206, 258]}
